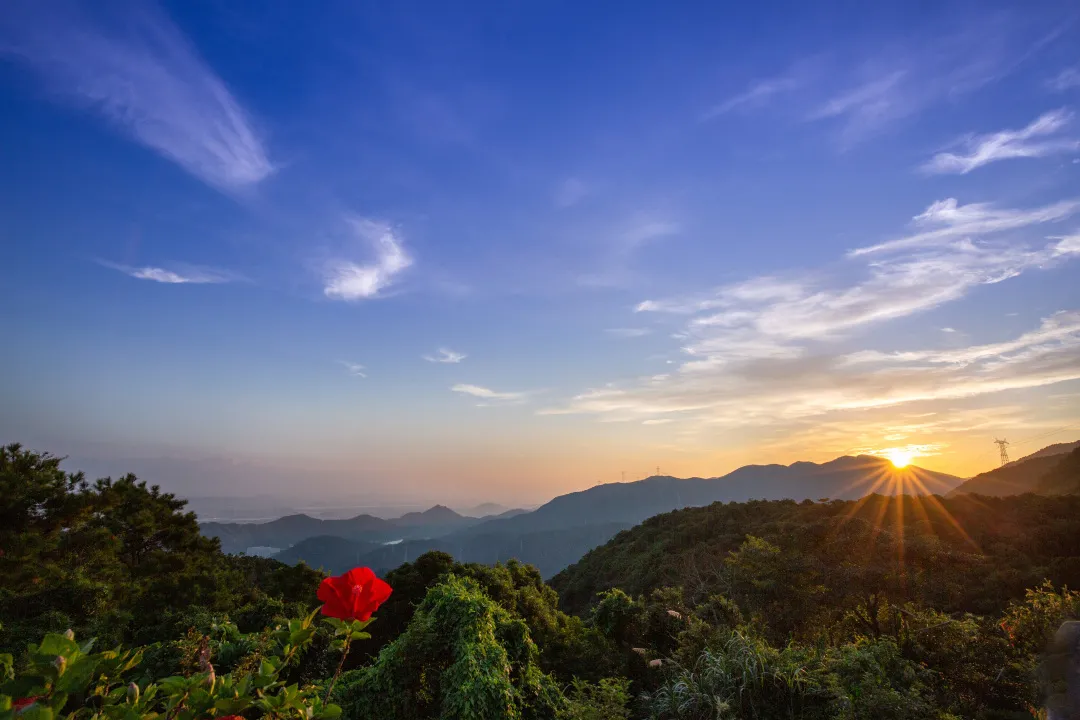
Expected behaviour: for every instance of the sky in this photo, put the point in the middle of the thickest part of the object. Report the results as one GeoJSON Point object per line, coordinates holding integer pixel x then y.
{"type": "Point", "coordinates": [425, 252]}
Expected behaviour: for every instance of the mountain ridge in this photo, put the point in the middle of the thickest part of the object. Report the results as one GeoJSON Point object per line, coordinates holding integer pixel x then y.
{"type": "Point", "coordinates": [1019, 476]}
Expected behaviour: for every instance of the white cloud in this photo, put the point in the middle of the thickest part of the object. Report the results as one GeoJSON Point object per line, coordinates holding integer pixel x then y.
{"type": "Point", "coordinates": [181, 274]}
{"type": "Point", "coordinates": [637, 232]}
{"type": "Point", "coordinates": [759, 92]}
{"type": "Point", "coordinates": [984, 149]}
{"type": "Point", "coordinates": [898, 80]}
{"type": "Point", "coordinates": [354, 369]}
{"type": "Point", "coordinates": [1059, 330]}
{"type": "Point", "coordinates": [570, 192]}
{"type": "Point", "coordinates": [489, 395]}
{"type": "Point", "coordinates": [130, 63]}
{"type": "Point", "coordinates": [770, 351]}
{"type": "Point", "coordinates": [445, 355]}
{"type": "Point", "coordinates": [948, 220]}
{"type": "Point", "coordinates": [1067, 79]}
{"type": "Point", "coordinates": [628, 332]}
{"type": "Point", "coordinates": [349, 280]}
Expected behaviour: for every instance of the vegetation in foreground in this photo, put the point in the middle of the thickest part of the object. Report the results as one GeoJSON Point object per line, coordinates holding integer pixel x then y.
{"type": "Point", "coordinates": [755, 610]}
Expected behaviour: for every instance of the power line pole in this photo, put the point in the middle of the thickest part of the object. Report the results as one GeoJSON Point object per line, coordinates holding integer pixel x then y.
{"type": "Point", "coordinates": [1002, 444]}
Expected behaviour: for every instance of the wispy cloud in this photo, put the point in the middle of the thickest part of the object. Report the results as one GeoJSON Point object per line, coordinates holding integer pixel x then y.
{"type": "Point", "coordinates": [129, 63]}
{"type": "Point", "coordinates": [354, 369]}
{"type": "Point", "coordinates": [445, 355]}
{"type": "Point", "coordinates": [1067, 79]}
{"type": "Point", "coordinates": [570, 192]}
{"type": "Point", "coordinates": [345, 279]}
{"type": "Point", "coordinates": [908, 76]}
{"type": "Point", "coordinates": [177, 275]}
{"type": "Point", "coordinates": [628, 332]}
{"type": "Point", "coordinates": [758, 93]}
{"type": "Point", "coordinates": [770, 351]}
{"type": "Point", "coordinates": [1024, 143]}
{"type": "Point", "coordinates": [490, 396]}
{"type": "Point", "coordinates": [621, 247]}
{"type": "Point", "coordinates": [948, 220]}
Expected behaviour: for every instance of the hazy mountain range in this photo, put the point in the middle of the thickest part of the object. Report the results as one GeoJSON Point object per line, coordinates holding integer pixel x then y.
{"type": "Point", "coordinates": [291, 529]}
{"type": "Point", "coordinates": [562, 530]}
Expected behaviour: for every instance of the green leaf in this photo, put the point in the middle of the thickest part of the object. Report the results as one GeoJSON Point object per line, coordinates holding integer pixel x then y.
{"type": "Point", "coordinates": [37, 711]}
{"type": "Point", "coordinates": [55, 644]}
{"type": "Point", "coordinates": [328, 712]}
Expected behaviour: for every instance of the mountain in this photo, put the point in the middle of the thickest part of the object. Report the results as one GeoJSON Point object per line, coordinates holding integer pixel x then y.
{"type": "Point", "coordinates": [963, 541]}
{"type": "Point", "coordinates": [327, 551]}
{"type": "Point", "coordinates": [437, 515]}
{"type": "Point", "coordinates": [1063, 478]}
{"type": "Point", "coordinates": [561, 531]}
{"type": "Point", "coordinates": [484, 510]}
{"type": "Point", "coordinates": [579, 521]}
{"type": "Point", "coordinates": [287, 531]}
{"type": "Point", "coordinates": [1055, 449]}
{"type": "Point", "coordinates": [843, 478]}
{"type": "Point", "coordinates": [549, 551]}
{"type": "Point", "coordinates": [1018, 477]}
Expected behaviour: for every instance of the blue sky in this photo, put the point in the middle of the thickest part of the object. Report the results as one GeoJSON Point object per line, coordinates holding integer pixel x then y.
{"type": "Point", "coordinates": [418, 252]}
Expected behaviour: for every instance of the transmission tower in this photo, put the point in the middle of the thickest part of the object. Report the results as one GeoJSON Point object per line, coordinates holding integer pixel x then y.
{"type": "Point", "coordinates": [1002, 445]}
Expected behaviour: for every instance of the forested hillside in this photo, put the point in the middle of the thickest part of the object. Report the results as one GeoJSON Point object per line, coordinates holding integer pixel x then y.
{"type": "Point", "coordinates": [1021, 476]}
{"type": "Point", "coordinates": [965, 554]}
{"type": "Point", "coordinates": [908, 608]}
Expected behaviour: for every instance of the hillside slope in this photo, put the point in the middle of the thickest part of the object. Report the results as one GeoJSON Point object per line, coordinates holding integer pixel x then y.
{"type": "Point", "coordinates": [1028, 538]}
{"type": "Point", "coordinates": [1063, 478]}
{"type": "Point", "coordinates": [1018, 477]}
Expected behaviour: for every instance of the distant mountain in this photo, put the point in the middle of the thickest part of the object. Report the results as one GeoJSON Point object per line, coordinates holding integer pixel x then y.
{"type": "Point", "coordinates": [437, 515]}
{"type": "Point", "coordinates": [327, 551]}
{"type": "Point", "coordinates": [561, 531]}
{"type": "Point", "coordinates": [287, 531]}
{"type": "Point", "coordinates": [1018, 477]}
{"type": "Point", "coordinates": [484, 510]}
{"type": "Point", "coordinates": [549, 551]}
{"type": "Point", "coordinates": [844, 478]}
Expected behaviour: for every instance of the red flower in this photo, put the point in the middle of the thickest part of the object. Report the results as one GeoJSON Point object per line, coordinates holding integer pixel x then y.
{"type": "Point", "coordinates": [25, 702]}
{"type": "Point", "coordinates": [354, 595]}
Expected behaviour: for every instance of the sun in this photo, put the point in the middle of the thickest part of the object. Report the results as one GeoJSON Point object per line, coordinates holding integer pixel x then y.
{"type": "Point", "coordinates": [899, 457]}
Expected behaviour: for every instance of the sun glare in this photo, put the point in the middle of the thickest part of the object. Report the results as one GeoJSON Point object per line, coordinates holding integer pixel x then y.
{"type": "Point", "coordinates": [899, 457]}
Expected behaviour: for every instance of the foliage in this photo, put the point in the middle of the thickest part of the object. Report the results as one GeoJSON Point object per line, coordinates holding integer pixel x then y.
{"type": "Point", "coordinates": [605, 700]}
{"type": "Point", "coordinates": [462, 656]}
{"type": "Point", "coordinates": [894, 608]}
{"type": "Point", "coordinates": [62, 677]}
{"type": "Point", "coordinates": [117, 559]}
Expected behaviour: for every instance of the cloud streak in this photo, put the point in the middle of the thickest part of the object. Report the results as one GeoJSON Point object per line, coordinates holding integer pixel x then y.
{"type": "Point", "coordinates": [445, 355]}
{"type": "Point", "coordinates": [179, 275]}
{"type": "Point", "coordinates": [758, 93]}
{"type": "Point", "coordinates": [130, 64]}
{"type": "Point", "coordinates": [354, 369]}
{"type": "Point", "coordinates": [1067, 79]}
{"type": "Point", "coordinates": [628, 332]}
{"type": "Point", "coordinates": [1027, 142]}
{"type": "Point", "coordinates": [947, 220]}
{"type": "Point", "coordinates": [346, 279]}
{"type": "Point", "coordinates": [492, 397]}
